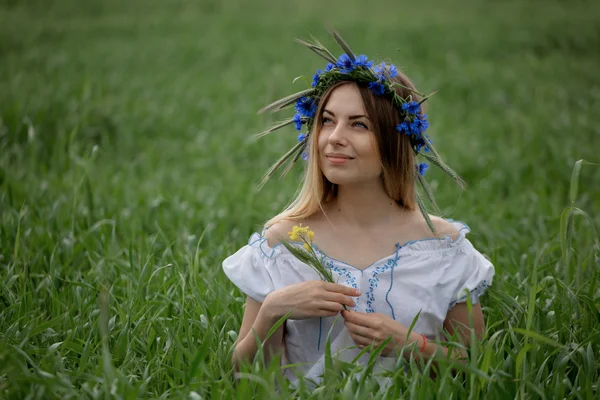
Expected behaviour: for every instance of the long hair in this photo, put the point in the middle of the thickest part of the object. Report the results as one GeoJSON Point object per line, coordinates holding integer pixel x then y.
{"type": "Point", "coordinates": [397, 156]}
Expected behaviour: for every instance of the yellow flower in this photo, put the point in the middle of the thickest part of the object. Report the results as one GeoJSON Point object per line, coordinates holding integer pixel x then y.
{"type": "Point", "coordinates": [301, 233]}
{"type": "Point", "coordinates": [294, 234]}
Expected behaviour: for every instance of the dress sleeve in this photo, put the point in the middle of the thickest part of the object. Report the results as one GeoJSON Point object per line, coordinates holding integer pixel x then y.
{"type": "Point", "coordinates": [476, 274]}
{"type": "Point", "coordinates": [248, 270]}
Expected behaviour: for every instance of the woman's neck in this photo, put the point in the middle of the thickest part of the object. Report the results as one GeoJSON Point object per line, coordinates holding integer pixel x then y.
{"type": "Point", "coordinates": [361, 206]}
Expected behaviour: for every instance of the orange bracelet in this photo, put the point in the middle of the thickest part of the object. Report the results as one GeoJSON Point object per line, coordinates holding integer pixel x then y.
{"type": "Point", "coordinates": [424, 342]}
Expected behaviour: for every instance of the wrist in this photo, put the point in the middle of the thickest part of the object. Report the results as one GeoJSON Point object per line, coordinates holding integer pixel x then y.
{"type": "Point", "coordinates": [400, 334]}
{"type": "Point", "coordinates": [403, 339]}
{"type": "Point", "coordinates": [424, 344]}
{"type": "Point", "coordinates": [267, 312]}
{"type": "Point", "coordinates": [398, 338]}
{"type": "Point", "coordinates": [419, 341]}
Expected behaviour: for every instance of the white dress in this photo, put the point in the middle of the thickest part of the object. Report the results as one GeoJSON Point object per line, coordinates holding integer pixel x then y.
{"type": "Point", "coordinates": [428, 276]}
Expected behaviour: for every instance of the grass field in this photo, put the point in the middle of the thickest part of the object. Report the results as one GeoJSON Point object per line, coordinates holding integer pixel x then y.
{"type": "Point", "coordinates": [128, 173]}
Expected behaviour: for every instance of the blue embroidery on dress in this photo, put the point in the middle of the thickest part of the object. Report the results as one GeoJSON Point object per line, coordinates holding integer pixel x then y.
{"type": "Point", "coordinates": [320, 331]}
{"type": "Point", "coordinates": [477, 291]}
{"type": "Point", "coordinates": [350, 281]}
{"type": "Point", "coordinates": [341, 271]}
{"type": "Point", "coordinates": [374, 282]}
{"type": "Point", "coordinates": [258, 240]}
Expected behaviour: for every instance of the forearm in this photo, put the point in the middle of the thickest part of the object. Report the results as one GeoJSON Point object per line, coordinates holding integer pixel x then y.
{"type": "Point", "coordinates": [420, 347]}
{"type": "Point", "coordinates": [247, 347]}
{"type": "Point", "coordinates": [427, 348]}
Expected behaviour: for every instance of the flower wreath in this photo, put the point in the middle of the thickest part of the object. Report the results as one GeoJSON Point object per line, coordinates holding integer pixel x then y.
{"type": "Point", "coordinates": [349, 67]}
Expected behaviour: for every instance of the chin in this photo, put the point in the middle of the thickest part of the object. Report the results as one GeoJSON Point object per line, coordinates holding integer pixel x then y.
{"type": "Point", "coordinates": [340, 178]}
{"type": "Point", "coordinates": [350, 177]}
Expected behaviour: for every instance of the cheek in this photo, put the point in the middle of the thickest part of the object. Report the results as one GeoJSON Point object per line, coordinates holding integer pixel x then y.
{"type": "Point", "coordinates": [375, 149]}
{"type": "Point", "coordinates": [369, 149]}
{"type": "Point", "coordinates": [373, 157]}
{"type": "Point", "coordinates": [322, 141]}
{"type": "Point", "coordinates": [376, 154]}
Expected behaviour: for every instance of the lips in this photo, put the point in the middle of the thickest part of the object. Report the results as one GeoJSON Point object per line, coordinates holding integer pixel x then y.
{"type": "Point", "coordinates": [338, 159]}
{"type": "Point", "coordinates": [338, 155]}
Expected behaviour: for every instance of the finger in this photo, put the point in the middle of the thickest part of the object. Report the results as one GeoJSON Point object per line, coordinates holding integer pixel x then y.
{"type": "Point", "coordinates": [359, 330]}
{"type": "Point", "coordinates": [357, 318]}
{"type": "Point", "coordinates": [340, 298]}
{"type": "Point", "coordinates": [331, 306]}
{"type": "Point", "coordinates": [360, 341]}
{"type": "Point", "coordinates": [337, 288]}
{"type": "Point", "coordinates": [325, 313]}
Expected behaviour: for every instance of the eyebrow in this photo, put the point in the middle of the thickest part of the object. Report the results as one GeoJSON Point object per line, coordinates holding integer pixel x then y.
{"type": "Point", "coordinates": [352, 117]}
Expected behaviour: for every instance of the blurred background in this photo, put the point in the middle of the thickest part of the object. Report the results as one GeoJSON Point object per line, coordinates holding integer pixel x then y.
{"type": "Point", "coordinates": [127, 160]}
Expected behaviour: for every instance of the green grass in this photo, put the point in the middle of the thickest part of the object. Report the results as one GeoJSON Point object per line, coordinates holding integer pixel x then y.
{"type": "Point", "coordinates": [128, 173]}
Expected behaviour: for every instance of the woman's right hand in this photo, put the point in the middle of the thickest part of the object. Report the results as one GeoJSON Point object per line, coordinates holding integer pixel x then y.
{"type": "Point", "coordinates": [309, 299]}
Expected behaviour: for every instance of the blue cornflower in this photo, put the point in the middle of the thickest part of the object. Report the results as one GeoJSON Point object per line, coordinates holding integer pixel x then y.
{"type": "Point", "coordinates": [422, 168]}
{"type": "Point", "coordinates": [298, 121]}
{"type": "Point", "coordinates": [306, 107]}
{"type": "Point", "coordinates": [316, 76]}
{"type": "Point", "coordinates": [329, 67]}
{"type": "Point", "coordinates": [419, 125]}
{"type": "Point", "coordinates": [345, 64]}
{"type": "Point", "coordinates": [363, 61]}
{"type": "Point", "coordinates": [305, 156]}
{"type": "Point", "coordinates": [412, 107]}
{"type": "Point", "coordinates": [301, 137]}
{"type": "Point", "coordinates": [380, 71]}
{"type": "Point", "coordinates": [404, 127]}
{"type": "Point", "coordinates": [377, 88]}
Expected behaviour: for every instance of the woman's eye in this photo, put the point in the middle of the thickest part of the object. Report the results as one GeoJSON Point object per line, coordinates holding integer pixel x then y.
{"type": "Point", "coordinates": [326, 120]}
{"type": "Point", "coordinates": [361, 125]}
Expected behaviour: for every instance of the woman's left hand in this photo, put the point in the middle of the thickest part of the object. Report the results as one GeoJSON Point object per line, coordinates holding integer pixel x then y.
{"type": "Point", "coordinates": [374, 328]}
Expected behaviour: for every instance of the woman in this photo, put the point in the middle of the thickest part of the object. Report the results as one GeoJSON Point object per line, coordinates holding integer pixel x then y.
{"type": "Point", "coordinates": [393, 263]}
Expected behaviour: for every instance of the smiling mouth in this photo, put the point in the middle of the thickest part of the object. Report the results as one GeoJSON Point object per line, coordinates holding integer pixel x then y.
{"type": "Point", "coordinates": [336, 155]}
{"type": "Point", "coordinates": [338, 159]}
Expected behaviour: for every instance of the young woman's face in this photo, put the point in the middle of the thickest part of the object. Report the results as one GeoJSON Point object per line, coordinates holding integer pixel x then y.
{"type": "Point", "coordinates": [348, 151]}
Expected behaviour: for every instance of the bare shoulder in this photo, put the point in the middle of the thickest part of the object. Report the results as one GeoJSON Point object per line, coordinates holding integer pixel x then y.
{"type": "Point", "coordinates": [279, 231]}
{"type": "Point", "coordinates": [442, 227]}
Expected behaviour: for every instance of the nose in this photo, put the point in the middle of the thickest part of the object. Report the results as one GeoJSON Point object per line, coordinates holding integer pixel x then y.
{"type": "Point", "coordinates": [338, 135]}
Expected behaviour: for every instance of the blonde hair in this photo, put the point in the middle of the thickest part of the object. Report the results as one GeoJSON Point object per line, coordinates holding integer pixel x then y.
{"type": "Point", "coordinates": [397, 156]}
